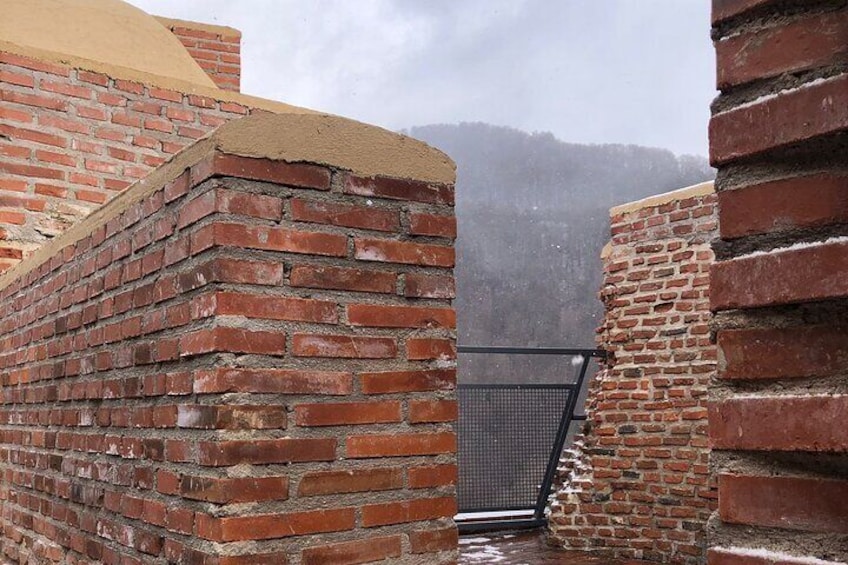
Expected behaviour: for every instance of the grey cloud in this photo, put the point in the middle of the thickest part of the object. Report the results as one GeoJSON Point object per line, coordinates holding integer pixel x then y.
{"type": "Point", "coordinates": [596, 71]}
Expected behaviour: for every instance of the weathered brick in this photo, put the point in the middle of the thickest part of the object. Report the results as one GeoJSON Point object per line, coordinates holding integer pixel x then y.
{"type": "Point", "coordinates": [773, 353]}
{"type": "Point", "coordinates": [273, 526]}
{"type": "Point", "coordinates": [389, 382]}
{"type": "Point", "coordinates": [770, 501]}
{"type": "Point", "coordinates": [810, 42]}
{"type": "Point", "coordinates": [353, 552]}
{"type": "Point", "coordinates": [234, 490]}
{"type": "Point", "coordinates": [432, 224]}
{"type": "Point", "coordinates": [430, 541]}
{"type": "Point", "coordinates": [264, 452]}
{"type": "Point", "coordinates": [343, 346]}
{"type": "Point", "coordinates": [397, 189]}
{"type": "Point", "coordinates": [781, 277]}
{"type": "Point", "coordinates": [339, 214]}
{"type": "Point", "coordinates": [780, 121]}
{"type": "Point", "coordinates": [408, 511]}
{"type": "Point", "coordinates": [321, 483]}
{"type": "Point", "coordinates": [782, 205]}
{"type": "Point", "coordinates": [378, 316]}
{"type": "Point", "coordinates": [400, 445]}
{"type": "Point", "coordinates": [390, 251]}
{"type": "Point", "coordinates": [429, 348]}
{"type": "Point", "coordinates": [280, 239]}
{"type": "Point", "coordinates": [347, 413]}
{"type": "Point", "coordinates": [280, 172]}
{"type": "Point", "coordinates": [341, 278]}
{"type": "Point", "coordinates": [782, 423]}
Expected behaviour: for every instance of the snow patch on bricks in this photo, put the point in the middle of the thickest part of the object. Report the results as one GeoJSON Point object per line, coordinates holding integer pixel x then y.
{"type": "Point", "coordinates": [775, 556]}
{"type": "Point", "coordinates": [795, 247]}
{"type": "Point", "coordinates": [779, 93]}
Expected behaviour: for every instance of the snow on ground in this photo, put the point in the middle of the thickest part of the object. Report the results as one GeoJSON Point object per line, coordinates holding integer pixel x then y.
{"type": "Point", "coordinates": [483, 554]}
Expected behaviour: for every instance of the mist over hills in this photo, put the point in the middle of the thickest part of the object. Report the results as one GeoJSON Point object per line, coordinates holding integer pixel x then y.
{"type": "Point", "coordinates": [533, 217]}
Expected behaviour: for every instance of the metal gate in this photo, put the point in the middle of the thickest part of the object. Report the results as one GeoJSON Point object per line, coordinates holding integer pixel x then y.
{"type": "Point", "coordinates": [510, 440]}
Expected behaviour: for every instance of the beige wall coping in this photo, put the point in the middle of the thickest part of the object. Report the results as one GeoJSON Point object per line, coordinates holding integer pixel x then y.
{"type": "Point", "coordinates": [110, 32]}
{"type": "Point", "coordinates": [311, 138]}
{"type": "Point", "coordinates": [701, 189]}
{"type": "Point", "coordinates": [223, 31]}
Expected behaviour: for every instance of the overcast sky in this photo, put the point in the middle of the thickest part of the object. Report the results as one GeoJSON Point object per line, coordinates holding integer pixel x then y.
{"type": "Point", "coordinates": [593, 71]}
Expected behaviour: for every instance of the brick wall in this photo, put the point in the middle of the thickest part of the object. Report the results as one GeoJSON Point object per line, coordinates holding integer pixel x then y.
{"type": "Point", "coordinates": [238, 360]}
{"type": "Point", "coordinates": [71, 139]}
{"type": "Point", "coordinates": [779, 137]}
{"type": "Point", "coordinates": [217, 49]}
{"type": "Point", "coordinates": [637, 482]}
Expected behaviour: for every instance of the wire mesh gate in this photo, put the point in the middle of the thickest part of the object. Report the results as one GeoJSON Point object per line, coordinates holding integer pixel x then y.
{"type": "Point", "coordinates": [510, 440]}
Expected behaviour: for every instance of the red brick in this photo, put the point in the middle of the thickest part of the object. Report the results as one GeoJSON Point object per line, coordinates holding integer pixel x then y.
{"type": "Point", "coordinates": [31, 171]}
{"type": "Point", "coordinates": [354, 552]}
{"type": "Point", "coordinates": [269, 307]}
{"type": "Point", "coordinates": [773, 501]}
{"type": "Point", "coordinates": [423, 411]}
{"type": "Point", "coordinates": [343, 346]}
{"type": "Point", "coordinates": [34, 100]}
{"type": "Point", "coordinates": [34, 64]}
{"type": "Point", "coordinates": [431, 224]}
{"type": "Point", "coordinates": [433, 476]}
{"type": "Point", "coordinates": [748, 556]}
{"type": "Point", "coordinates": [264, 452]}
{"type": "Point", "coordinates": [786, 204]}
{"type": "Point", "coordinates": [17, 78]}
{"type": "Point", "coordinates": [340, 214]}
{"type": "Point", "coordinates": [273, 381]}
{"type": "Point", "coordinates": [390, 382]}
{"type": "Point", "coordinates": [430, 348]}
{"type": "Point", "coordinates": [432, 541]}
{"type": "Point", "coordinates": [248, 204]}
{"type": "Point", "coordinates": [273, 526]}
{"type": "Point", "coordinates": [280, 172]}
{"type": "Point", "coordinates": [782, 423]}
{"type": "Point", "coordinates": [234, 490]}
{"type": "Point", "coordinates": [378, 316]}
{"type": "Point", "coordinates": [814, 41]}
{"type": "Point", "coordinates": [726, 9]}
{"type": "Point", "coordinates": [390, 251]}
{"type": "Point", "coordinates": [782, 277]}
{"type": "Point", "coordinates": [232, 270]}
{"type": "Point", "coordinates": [232, 340]}
{"type": "Point", "coordinates": [776, 353]}
{"type": "Point", "coordinates": [340, 278]}
{"type": "Point", "coordinates": [397, 189]}
{"type": "Point", "coordinates": [320, 483]}
{"type": "Point", "coordinates": [780, 121]}
{"type": "Point", "coordinates": [418, 285]}
{"type": "Point", "coordinates": [408, 511]}
{"type": "Point", "coordinates": [280, 239]}
{"type": "Point", "coordinates": [232, 417]}
{"type": "Point", "coordinates": [347, 413]}
{"type": "Point", "coordinates": [400, 445]}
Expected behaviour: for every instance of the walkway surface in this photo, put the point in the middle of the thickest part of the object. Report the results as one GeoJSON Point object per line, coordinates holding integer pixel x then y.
{"type": "Point", "coordinates": [523, 549]}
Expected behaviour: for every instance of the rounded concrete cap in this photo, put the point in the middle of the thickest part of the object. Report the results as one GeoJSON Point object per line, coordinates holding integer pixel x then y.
{"type": "Point", "coordinates": [339, 142]}
{"type": "Point", "coordinates": [109, 32]}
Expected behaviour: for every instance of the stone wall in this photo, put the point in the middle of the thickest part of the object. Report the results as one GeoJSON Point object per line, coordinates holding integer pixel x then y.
{"type": "Point", "coordinates": [637, 483]}
{"type": "Point", "coordinates": [239, 360]}
{"type": "Point", "coordinates": [779, 138]}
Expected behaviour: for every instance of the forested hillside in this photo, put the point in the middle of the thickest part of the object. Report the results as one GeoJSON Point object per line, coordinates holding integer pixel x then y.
{"type": "Point", "coordinates": [533, 217]}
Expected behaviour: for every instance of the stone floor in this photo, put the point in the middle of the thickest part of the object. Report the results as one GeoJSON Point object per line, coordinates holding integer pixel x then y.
{"type": "Point", "coordinates": [523, 549]}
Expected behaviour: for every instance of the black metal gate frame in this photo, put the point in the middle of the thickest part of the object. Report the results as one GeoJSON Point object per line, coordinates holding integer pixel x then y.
{"type": "Point", "coordinates": [538, 519]}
